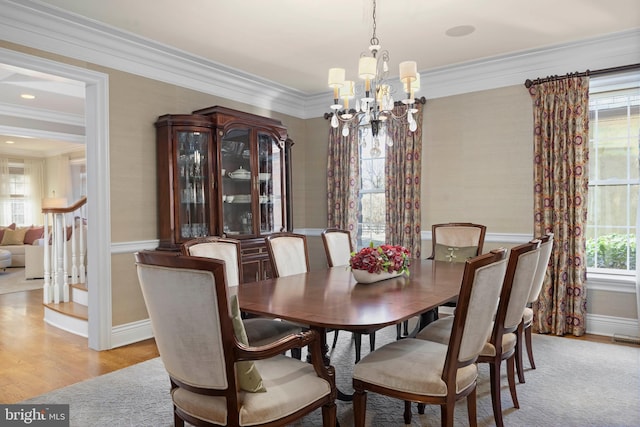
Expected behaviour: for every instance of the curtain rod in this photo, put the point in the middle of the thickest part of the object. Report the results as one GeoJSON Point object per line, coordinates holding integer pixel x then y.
{"type": "Point", "coordinates": [528, 83]}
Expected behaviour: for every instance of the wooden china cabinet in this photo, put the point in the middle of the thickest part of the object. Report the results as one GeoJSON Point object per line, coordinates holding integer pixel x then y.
{"type": "Point", "coordinates": [226, 173]}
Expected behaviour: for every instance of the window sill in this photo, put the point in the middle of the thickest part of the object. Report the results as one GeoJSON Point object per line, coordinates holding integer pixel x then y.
{"type": "Point", "coordinates": [611, 282]}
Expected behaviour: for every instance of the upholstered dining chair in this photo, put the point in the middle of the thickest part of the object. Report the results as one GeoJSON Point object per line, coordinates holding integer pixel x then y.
{"type": "Point", "coordinates": [216, 378]}
{"type": "Point", "coordinates": [444, 373]}
{"type": "Point", "coordinates": [338, 249]}
{"type": "Point", "coordinates": [288, 253]}
{"type": "Point", "coordinates": [259, 330]}
{"type": "Point", "coordinates": [524, 328]}
{"type": "Point", "coordinates": [523, 260]}
{"type": "Point", "coordinates": [452, 242]}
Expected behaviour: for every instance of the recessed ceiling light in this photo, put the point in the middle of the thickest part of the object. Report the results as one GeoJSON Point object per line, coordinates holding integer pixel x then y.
{"type": "Point", "coordinates": [27, 96]}
{"type": "Point", "coordinates": [460, 31]}
{"type": "Point", "coordinates": [9, 142]}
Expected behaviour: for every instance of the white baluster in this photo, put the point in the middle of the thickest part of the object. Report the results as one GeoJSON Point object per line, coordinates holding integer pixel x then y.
{"type": "Point", "coordinates": [65, 257]}
{"type": "Point", "coordinates": [46, 292]}
{"type": "Point", "coordinates": [74, 259]}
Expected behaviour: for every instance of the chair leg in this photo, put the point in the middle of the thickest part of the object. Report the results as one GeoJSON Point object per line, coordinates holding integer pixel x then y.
{"type": "Point", "coordinates": [359, 407]}
{"type": "Point", "coordinates": [335, 338]}
{"type": "Point", "coordinates": [472, 408]}
{"type": "Point", "coordinates": [398, 331]}
{"type": "Point", "coordinates": [405, 326]}
{"type": "Point", "coordinates": [407, 412]}
{"type": "Point", "coordinates": [519, 344]}
{"type": "Point", "coordinates": [329, 415]}
{"type": "Point", "coordinates": [511, 376]}
{"type": "Point", "coordinates": [494, 379]}
{"type": "Point", "coordinates": [358, 339]}
{"type": "Point", "coordinates": [177, 421]}
{"type": "Point", "coordinates": [527, 338]}
{"type": "Point", "coordinates": [372, 341]}
{"type": "Point", "coordinates": [446, 414]}
{"type": "Point", "coordinates": [421, 408]}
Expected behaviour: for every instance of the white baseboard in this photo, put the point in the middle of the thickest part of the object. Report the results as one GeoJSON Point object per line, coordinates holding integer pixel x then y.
{"type": "Point", "coordinates": [610, 326]}
{"type": "Point", "coordinates": [66, 323]}
{"type": "Point", "coordinates": [130, 333]}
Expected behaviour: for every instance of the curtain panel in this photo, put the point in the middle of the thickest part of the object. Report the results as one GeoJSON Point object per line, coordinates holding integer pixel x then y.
{"type": "Point", "coordinates": [343, 180]}
{"type": "Point", "coordinates": [561, 178]}
{"type": "Point", "coordinates": [403, 167]}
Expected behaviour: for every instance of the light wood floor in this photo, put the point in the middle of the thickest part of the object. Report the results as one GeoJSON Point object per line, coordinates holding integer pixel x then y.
{"type": "Point", "coordinates": [36, 358]}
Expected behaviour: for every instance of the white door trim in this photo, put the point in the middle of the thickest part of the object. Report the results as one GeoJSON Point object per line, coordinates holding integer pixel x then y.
{"type": "Point", "coordinates": [98, 190]}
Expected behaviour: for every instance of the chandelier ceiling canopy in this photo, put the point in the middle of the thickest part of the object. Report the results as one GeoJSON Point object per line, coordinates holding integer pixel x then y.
{"type": "Point", "coordinates": [374, 103]}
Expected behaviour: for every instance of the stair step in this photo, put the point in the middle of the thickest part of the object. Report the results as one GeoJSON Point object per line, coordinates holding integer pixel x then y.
{"type": "Point", "coordinates": [72, 309]}
{"type": "Point", "coordinates": [79, 286]}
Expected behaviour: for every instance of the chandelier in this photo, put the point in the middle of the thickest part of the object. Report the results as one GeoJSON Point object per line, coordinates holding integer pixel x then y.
{"type": "Point", "coordinates": [374, 103]}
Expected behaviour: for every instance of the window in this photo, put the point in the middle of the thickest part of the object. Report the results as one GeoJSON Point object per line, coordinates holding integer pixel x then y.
{"type": "Point", "coordinates": [17, 192]}
{"type": "Point", "coordinates": [614, 180]}
{"type": "Point", "coordinates": [371, 223]}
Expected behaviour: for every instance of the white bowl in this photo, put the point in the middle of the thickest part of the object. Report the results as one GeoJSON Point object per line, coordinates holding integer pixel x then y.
{"type": "Point", "coordinates": [229, 199]}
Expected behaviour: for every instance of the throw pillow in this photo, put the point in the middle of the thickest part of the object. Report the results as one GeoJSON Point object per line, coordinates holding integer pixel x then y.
{"type": "Point", "coordinates": [11, 227]}
{"type": "Point", "coordinates": [13, 237]}
{"type": "Point", "coordinates": [33, 234]}
{"type": "Point", "coordinates": [453, 253]}
{"type": "Point", "coordinates": [248, 375]}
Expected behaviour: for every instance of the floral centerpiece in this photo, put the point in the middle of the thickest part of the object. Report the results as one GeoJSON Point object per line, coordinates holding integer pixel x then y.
{"type": "Point", "coordinates": [375, 263]}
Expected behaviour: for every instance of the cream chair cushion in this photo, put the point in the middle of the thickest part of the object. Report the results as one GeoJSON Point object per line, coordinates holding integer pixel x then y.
{"type": "Point", "coordinates": [289, 255]}
{"type": "Point", "coordinates": [224, 251]}
{"type": "Point", "coordinates": [421, 373]}
{"type": "Point", "coordinates": [290, 384]}
{"type": "Point", "coordinates": [339, 248]}
{"type": "Point", "coordinates": [458, 236]}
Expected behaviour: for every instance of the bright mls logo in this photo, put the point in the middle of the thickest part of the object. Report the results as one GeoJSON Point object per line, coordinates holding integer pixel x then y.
{"type": "Point", "coordinates": [34, 415]}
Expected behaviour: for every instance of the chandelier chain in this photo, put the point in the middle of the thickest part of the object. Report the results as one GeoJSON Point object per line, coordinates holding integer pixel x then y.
{"type": "Point", "coordinates": [374, 40]}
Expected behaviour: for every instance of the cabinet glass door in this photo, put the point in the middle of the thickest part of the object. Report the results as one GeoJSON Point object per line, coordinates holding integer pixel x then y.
{"type": "Point", "coordinates": [193, 206]}
{"type": "Point", "coordinates": [270, 184]}
{"type": "Point", "coordinates": [237, 179]}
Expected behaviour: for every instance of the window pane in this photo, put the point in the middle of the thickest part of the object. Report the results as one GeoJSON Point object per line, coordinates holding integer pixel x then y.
{"type": "Point", "coordinates": [372, 174]}
{"type": "Point", "coordinates": [613, 179]}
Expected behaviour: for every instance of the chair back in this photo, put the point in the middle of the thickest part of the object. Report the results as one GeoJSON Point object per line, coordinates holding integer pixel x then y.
{"type": "Point", "coordinates": [288, 253]}
{"type": "Point", "coordinates": [546, 247]}
{"type": "Point", "coordinates": [186, 298]}
{"type": "Point", "coordinates": [523, 260]}
{"type": "Point", "coordinates": [337, 246]}
{"type": "Point", "coordinates": [481, 284]}
{"type": "Point", "coordinates": [456, 241]}
{"type": "Point", "coordinates": [225, 249]}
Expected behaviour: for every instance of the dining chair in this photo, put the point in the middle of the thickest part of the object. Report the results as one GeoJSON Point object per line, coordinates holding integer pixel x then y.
{"type": "Point", "coordinates": [288, 253]}
{"type": "Point", "coordinates": [523, 260]}
{"type": "Point", "coordinates": [216, 377]}
{"type": "Point", "coordinates": [444, 373]}
{"type": "Point", "coordinates": [546, 246]}
{"type": "Point", "coordinates": [259, 330]}
{"type": "Point", "coordinates": [451, 242]}
{"type": "Point", "coordinates": [338, 248]}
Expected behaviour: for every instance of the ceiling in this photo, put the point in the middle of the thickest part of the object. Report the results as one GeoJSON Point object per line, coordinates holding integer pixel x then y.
{"type": "Point", "coordinates": [294, 42]}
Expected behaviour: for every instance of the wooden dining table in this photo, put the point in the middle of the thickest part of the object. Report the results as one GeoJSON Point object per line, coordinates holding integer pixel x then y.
{"type": "Point", "coordinates": [332, 299]}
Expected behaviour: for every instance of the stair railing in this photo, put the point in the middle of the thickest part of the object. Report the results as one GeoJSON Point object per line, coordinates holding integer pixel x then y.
{"type": "Point", "coordinates": [56, 276]}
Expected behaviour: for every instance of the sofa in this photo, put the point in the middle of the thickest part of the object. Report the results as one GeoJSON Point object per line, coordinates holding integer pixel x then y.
{"type": "Point", "coordinates": [26, 245]}
{"type": "Point", "coordinates": [14, 239]}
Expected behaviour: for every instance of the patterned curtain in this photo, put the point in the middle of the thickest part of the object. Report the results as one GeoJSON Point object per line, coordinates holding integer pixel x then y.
{"type": "Point", "coordinates": [561, 178]}
{"type": "Point", "coordinates": [343, 178]}
{"type": "Point", "coordinates": [402, 191]}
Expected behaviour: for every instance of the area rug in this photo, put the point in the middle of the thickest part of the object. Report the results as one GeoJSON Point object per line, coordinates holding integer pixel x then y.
{"type": "Point", "coordinates": [12, 280]}
{"type": "Point", "coordinates": [576, 383]}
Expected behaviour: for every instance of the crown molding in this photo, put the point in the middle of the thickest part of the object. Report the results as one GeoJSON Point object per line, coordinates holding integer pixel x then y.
{"type": "Point", "coordinates": [37, 25]}
{"type": "Point", "coordinates": [31, 113]}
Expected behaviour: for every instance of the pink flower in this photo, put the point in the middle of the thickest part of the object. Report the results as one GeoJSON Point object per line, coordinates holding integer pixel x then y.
{"type": "Point", "coordinates": [388, 258]}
